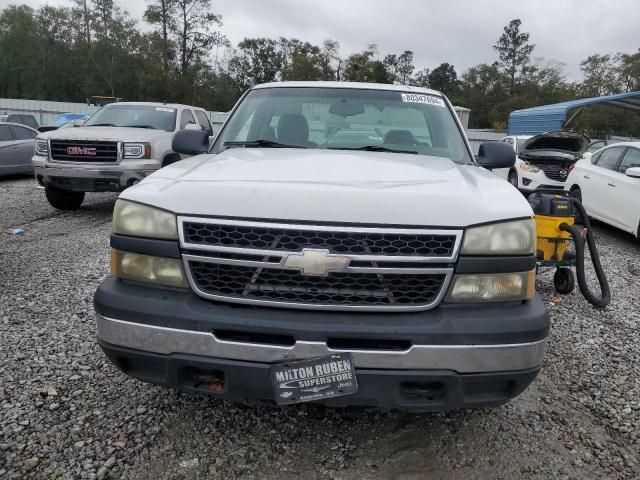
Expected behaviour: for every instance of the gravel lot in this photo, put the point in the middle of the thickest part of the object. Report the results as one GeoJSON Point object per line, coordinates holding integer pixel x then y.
{"type": "Point", "coordinates": [67, 413]}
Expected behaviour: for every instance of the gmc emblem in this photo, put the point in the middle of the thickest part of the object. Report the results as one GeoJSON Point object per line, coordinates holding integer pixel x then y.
{"type": "Point", "coordinates": [81, 151]}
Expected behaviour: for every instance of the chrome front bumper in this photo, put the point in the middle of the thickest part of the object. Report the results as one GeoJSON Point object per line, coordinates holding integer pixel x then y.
{"type": "Point", "coordinates": [122, 174]}
{"type": "Point", "coordinates": [459, 358]}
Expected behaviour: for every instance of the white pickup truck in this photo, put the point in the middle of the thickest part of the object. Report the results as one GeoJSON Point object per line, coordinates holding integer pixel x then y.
{"type": "Point", "coordinates": [117, 147]}
{"type": "Point", "coordinates": [338, 243]}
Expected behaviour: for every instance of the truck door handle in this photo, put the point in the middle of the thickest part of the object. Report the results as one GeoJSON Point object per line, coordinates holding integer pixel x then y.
{"type": "Point", "coordinates": [611, 184]}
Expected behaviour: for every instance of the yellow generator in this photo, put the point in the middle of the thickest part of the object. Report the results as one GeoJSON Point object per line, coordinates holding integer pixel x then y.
{"type": "Point", "coordinates": [555, 213]}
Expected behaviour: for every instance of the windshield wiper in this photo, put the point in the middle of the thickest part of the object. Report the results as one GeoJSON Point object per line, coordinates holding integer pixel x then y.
{"type": "Point", "coordinates": [260, 143]}
{"type": "Point", "coordinates": [101, 125]}
{"type": "Point", "coordinates": [375, 148]}
{"type": "Point", "coordinates": [140, 126]}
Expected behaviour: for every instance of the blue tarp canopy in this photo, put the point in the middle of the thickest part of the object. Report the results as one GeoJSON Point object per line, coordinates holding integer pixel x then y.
{"type": "Point", "coordinates": [549, 118]}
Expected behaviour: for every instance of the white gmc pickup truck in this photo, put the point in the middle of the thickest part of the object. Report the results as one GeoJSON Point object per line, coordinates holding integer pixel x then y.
{"type": "Point", "coordinates": [339, 244]}
{"type": "Point", "coordinates": [117, 147]}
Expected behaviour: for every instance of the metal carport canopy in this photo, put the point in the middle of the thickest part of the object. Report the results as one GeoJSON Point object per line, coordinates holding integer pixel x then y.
{"type": "Point", "coordinates": [549, 118]}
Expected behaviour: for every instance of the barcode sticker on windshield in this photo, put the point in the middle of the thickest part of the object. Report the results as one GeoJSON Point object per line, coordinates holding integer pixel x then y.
{"type": "Point", "coordinates": [428, 99]}
{"type": "Point", "coordinates": [165, 109]}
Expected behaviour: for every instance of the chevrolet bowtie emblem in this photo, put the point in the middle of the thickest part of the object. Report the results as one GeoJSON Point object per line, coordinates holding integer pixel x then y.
{"type": "Point", "coordinates": [316, 262]}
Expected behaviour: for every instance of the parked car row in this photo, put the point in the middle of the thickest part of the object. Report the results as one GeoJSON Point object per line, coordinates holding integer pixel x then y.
{"type": "Point", "coordinates": [305, 223]}
{"type": "Point", "coordinates": [604, 177]}
{"type": "Point", "coordinates": [111, 153]}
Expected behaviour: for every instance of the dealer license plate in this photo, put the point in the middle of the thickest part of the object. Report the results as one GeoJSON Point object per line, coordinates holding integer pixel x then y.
{"type": "Point", "coordinates": [314, 379]}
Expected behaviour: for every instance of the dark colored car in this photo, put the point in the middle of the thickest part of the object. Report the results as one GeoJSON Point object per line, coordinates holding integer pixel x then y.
{"type": "Point", "coordinates": [16, 148]}
{"type": "Point", "coordinates": [21, 118]}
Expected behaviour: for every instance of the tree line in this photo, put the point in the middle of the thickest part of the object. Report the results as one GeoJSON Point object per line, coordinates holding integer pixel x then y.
{"type": "Point", "coordinates": [94, 47]}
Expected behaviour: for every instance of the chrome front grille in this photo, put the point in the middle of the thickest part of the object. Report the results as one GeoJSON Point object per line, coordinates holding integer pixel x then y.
{"type": "Point", "coordinates": [356, 242]}
{"type": "Point", "coordinates": [318, 267]}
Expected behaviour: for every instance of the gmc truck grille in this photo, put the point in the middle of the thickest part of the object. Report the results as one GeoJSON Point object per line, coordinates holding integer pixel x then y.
{"type": "Point", "coordinates": [84, 151]}
{"type": "Point", "coordinates": [318, 267]}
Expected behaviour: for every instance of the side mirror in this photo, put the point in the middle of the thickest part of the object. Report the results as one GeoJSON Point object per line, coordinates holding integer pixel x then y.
{"type": "Point", "coordinates": [190, 142]}
{"type": "Point", "coordinates": [633, 172]}
{"type": "Point", "coordinates": [587, 156]}
{"type": "Point", "coordinates": [496, 155]}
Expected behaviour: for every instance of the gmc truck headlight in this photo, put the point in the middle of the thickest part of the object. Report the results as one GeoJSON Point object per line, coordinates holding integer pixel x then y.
{"type": "Point", "coordinates": [142, 221]}
{"type": "Point", "coordinates": [136, 150]}
{"type": "Point", "coordinates": [493, 287]}
{"type": "Point", "coordinates": [42, 148]}
{"type": "Point", "coordinates": [147, 269]}
{"type": "Point", "coordinates": [508, 238]}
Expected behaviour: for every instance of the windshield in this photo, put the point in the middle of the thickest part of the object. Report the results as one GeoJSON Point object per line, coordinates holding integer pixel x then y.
{"type": "Point", "coordinates": [140, 116]}
{"type": "Point", "coordinates": [595, 146]}
{"type": "Point", "coordinates": [345, 119]}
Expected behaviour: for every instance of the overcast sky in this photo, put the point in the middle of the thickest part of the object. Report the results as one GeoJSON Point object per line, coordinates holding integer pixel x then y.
{"type": "Point", "coordinates": [461, 32]}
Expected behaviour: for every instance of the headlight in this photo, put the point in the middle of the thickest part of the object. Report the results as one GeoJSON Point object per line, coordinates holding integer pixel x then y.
{"type": "Point", "coordinates": [508, 238]}
{"type": "Point", "coordinates": [42, 148]}
{"type": "Point", "coordinates": [141, 221]}
{"type": "Point", "coordinates": [148, 269]}
{"type": "Point", "coordinates": [136, 150]}
{"type": "Point", "coordinates": [527, 167]}
{"type": "Point", "coordinates": [492, 288]}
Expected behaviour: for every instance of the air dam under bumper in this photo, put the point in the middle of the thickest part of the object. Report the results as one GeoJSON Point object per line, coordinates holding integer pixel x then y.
{"type": "Point", "coordinates": [176, 339]}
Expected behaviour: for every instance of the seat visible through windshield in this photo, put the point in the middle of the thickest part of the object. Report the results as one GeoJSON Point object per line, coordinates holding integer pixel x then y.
{"type": "Point", "coordinates": [345, 118]}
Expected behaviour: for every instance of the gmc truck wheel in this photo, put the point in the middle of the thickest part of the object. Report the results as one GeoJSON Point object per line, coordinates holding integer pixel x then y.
{"type": "Point", "coordinates": [64, 200]}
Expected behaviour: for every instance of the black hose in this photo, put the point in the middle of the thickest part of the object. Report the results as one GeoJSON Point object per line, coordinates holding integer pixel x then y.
{"type": "Point", "coordinates": [579, 241]}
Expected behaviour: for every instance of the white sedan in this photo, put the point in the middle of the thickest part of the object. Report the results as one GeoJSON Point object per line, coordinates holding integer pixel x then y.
{"type": "Point", "coordinates": [608, 185]}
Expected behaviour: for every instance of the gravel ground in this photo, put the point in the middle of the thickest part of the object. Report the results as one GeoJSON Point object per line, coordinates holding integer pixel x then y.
{"type": "Point", "coordinates": [67, 413]}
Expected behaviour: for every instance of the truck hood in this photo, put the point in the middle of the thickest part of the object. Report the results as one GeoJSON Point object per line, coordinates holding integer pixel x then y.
{"type": "Point", "coordinates": [115, 134]}
{"type": "Point", "coordinates": [332, 186]}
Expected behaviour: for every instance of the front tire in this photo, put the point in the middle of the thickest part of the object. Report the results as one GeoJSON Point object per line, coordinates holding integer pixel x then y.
{"type": "Point", "coordinates": [576, 193]}
{"type": "Point", "coordinates": [170, 159]}
{"type": "Point", "coordinates": [63, 199]}
{"type": "Point", "coordinates": [564, 281]}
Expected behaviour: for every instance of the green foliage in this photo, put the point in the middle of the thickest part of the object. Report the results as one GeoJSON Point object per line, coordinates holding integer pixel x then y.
{"type": "Point", "coordinates": [445, 79]}
{"type": "Point", "coordinates": [181, 55]}
{"type": "Point", "coordinates": [359, 67]}
{"type": "Point", "coordinates": [514, 51]}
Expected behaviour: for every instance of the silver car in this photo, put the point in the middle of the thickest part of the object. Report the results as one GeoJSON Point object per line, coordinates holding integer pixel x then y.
{"type": "Point", "coordinates": [16, 148]}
